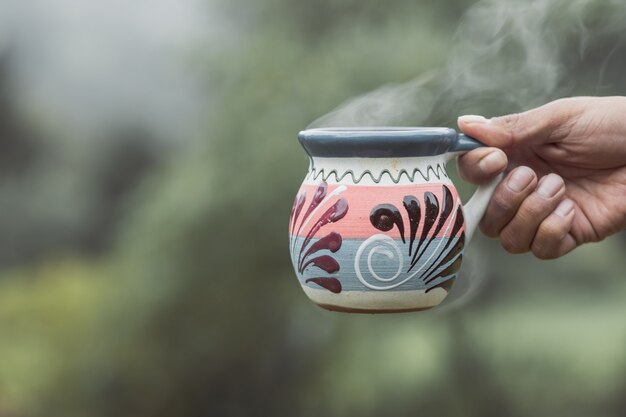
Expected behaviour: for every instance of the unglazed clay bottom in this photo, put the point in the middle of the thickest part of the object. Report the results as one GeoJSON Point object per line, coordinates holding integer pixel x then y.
{"type": "Point", "coordinates": [377, 235]}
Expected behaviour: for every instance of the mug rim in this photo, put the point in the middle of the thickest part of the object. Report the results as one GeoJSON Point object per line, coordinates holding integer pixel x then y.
{"type": "Point", "coordinates": [359, 130]}
{"type": "Point", "coordinates": [383, 142]}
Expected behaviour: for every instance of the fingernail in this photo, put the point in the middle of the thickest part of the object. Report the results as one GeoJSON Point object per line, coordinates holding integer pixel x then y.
{"type": "Point", "coordinates": [550, 186]}
{"type": "Point", "coordinates": [565, 208]}
{"type": "Point", "coordinates": [473, 118]}
{"type": "Point", "coordinates": [521, 178]}
{"type": "Point", "coordinates": [494, 161]}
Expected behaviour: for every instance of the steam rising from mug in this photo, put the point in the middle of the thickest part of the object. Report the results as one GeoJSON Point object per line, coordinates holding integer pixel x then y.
{"type": "Point", "coordinates": [508, 55]}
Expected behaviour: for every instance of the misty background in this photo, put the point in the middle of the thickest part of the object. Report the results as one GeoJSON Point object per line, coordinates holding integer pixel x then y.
{"type": "Point", "coordinates": [148, 164]}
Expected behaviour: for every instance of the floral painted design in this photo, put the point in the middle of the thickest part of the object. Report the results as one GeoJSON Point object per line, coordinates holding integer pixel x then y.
{"type": "Point", "coordinates": [308, 255]}
{"type": "Point", "coordinates": [441, 231]}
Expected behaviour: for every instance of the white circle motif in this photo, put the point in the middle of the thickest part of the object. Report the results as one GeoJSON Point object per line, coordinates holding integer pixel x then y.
{"type": "Point", "coordinates": [382, 245]}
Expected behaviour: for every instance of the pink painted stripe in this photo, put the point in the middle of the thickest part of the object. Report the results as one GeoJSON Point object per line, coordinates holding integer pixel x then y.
{"type": "Point", "coordinates": [362, 199]}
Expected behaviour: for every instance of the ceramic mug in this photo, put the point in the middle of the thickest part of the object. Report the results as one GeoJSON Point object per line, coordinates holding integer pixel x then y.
{"type": "Point", "coordinates": [377, 225]}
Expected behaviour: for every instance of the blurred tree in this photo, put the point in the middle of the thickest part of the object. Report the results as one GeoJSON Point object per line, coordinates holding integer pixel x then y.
{"type": "Point", "coordinates": [18, 147]}
{"type": "Point", "coordinates": [63, 194]}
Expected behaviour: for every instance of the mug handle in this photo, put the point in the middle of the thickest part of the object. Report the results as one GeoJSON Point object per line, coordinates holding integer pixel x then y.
{"type": "Point", "coordinates": [474, 209]}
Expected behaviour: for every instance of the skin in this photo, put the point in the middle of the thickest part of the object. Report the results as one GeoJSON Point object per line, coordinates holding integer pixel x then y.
{"type": "Point", "coordinates": [565, 181]}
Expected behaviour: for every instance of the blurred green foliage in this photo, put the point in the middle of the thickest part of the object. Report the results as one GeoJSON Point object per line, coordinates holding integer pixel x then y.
{"type": "Point", "coordinates": [192, 309]}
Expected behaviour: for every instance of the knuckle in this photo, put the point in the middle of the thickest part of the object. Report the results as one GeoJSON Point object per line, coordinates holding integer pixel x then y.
{"type": "Point", "coordinates": [511, 244]}
{"type": "Point", "coordinates": [563, 116]}
{"type": "Point", "coordinates": [545, 251]}
{"type": "Point", "coordinates": [501, 203]}
{"type": "Point", "coordinates": [467, 168]}
{"type": "Point", "coordinates": [489, 229]}
{"type": "Point", "coordinates": [558, 105]}
{"type": "Point", "coordinates": [534, 209]}
{"type": "Point", "coordinates": [545, 254]}
{"type": "Point", "coordinates": [547, 240]}
{"type": "Point", "coordinates": [550, 231]}
{"type": "Point", "coordinates": [561, 127]}
{"type": "Point", "coordinates": [510, 120]}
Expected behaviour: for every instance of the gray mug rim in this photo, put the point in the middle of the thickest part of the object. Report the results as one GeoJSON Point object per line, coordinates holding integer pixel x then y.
{"type": "Point", "coordinates": [384, 142]}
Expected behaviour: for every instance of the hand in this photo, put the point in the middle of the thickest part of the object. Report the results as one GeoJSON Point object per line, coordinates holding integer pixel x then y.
{"type": "Point", "coordinates": [566, 174]}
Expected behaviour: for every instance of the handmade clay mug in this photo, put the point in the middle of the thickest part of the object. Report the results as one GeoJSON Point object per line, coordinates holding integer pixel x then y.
{"type": "Point", "coordinates": [377, 226]}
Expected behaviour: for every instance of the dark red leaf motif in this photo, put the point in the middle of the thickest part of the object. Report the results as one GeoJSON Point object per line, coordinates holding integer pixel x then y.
{"type": "Point", "coordinates": [458, 222]}
{"type": "Point", "coordinates": [331, 242]}
{"type": "Point", "coordinates": [446, 285]}
{"type": "Point", "coordinates": [446, 209]}
{"type": "Point", "coordinates": [451, 269]}
{"type": "Point", "coordinates": [450, 255]}
{"type": "Point", "coordinates": [431, 213]}
{"type": "Point", "coordinates": [297, 208]}
{"type": "Point", "coordinates": [434, 217]}
{"type": "Point", "coordinates": [325, 262]}
{"type": "Point", "coordinates": [331, 284]}
{"type": "Point", "coordinates": [319, 195]}
{"type": "Point", "coordinates": [384, 216]}
{"type": "Point", "coordinates": [335, 213]}
{"type": "Point", "coordinates": [412, 207]}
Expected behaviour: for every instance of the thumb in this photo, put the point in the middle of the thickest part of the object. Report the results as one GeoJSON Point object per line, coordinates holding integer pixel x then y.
{"type": "Point", "coordinates": [528, 128]}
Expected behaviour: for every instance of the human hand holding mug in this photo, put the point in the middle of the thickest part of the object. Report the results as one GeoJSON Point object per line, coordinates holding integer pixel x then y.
{"type": "Point", "coordinates": [565, 165]}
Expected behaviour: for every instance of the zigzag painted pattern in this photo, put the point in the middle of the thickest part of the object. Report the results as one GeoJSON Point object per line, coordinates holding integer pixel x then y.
{"type": "Point", "coordinates": [438, 172]}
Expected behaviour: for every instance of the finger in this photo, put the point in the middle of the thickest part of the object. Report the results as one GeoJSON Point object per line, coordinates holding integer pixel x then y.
{"type": "Point", "coordinates": [548, 123]}
{"type": "Point", "coordinates": [517, 236]}
{"type": "Point", "coordinates": [553, 238]}
{"type": "Point", "coordinates": [482, 164]}
{"type": "Point", "coordinates": [507, 198]}
{"type": "Point", "coordinates": [489, 133]}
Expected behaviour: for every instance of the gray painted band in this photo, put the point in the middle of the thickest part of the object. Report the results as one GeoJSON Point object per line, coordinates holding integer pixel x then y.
{"type": "Point", "coordinates": [384, 266]}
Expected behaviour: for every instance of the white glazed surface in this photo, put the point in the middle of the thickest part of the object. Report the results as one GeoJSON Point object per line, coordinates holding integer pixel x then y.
{"type": "Point", "coordinates": [378, 171]}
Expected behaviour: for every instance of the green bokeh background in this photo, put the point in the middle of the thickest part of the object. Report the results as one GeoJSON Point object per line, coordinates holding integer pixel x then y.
{"type": "Point", "coordinates": [174, 295]}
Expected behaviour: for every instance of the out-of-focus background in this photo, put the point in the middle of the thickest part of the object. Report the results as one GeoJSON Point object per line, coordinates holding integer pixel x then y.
{"type": "Point", "coordinates": [148, 163]}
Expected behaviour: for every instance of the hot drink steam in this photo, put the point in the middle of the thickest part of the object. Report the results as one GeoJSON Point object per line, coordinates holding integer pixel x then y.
{"type": "Point", "coordinates": [508, 55]}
